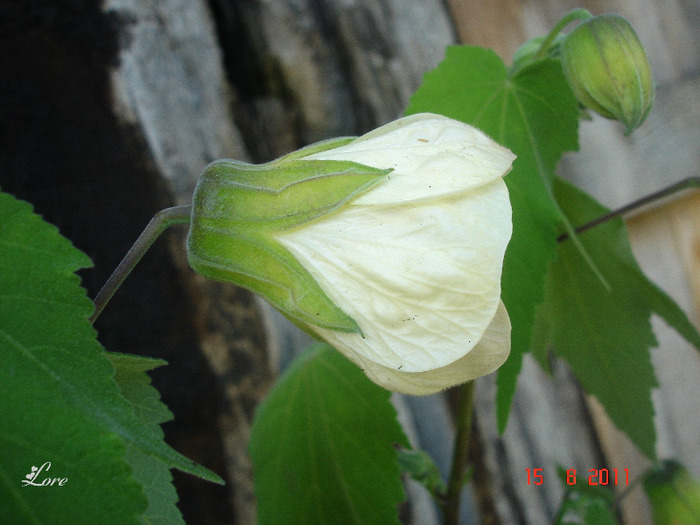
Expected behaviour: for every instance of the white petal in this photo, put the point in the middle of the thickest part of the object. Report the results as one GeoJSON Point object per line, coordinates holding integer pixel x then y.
{"type": "Point", "coordinates": [422, 279]}
{"type": "Point", "coordinates": [491, 352]}
{"type": "Point", "coordinates": [457, 157]}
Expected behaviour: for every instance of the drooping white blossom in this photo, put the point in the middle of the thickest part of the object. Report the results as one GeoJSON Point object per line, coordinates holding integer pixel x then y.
{"type": "Point", "coordinates": [416, 260]}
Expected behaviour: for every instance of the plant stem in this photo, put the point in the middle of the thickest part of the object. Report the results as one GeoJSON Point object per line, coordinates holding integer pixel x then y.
{"type": "Point", "coordinates": [460, 453]}
{"type": "Point", "coordinates": [576, 14]}
{"type": "Point", "coordinates": [690, 182]}
{"type": "Point", "coordinates": [158, 224]}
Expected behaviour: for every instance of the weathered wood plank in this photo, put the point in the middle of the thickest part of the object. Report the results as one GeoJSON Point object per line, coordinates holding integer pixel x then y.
{"type": "Point", "coordinates": [170, 84]}
{"type": "Point", "coordinates": [307, 70]}
{"type": "Point", "coordinates": [303, 70]}
{"type": "Point", "coordinates": [617, 170]}
{"type": "Point", "coordinates": [170, 81]}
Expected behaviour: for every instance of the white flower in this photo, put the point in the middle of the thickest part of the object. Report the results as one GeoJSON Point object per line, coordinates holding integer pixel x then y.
{"type": "Point", "coordinates": [416, 260]}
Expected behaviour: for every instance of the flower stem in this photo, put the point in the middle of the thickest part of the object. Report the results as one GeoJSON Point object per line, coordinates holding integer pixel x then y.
{"type": "Point", "coordinates": [459, 456]}
{"type": "Point", "coordinates": [690, 182]}
{"type": "Point", "coordinates": [158, 224]}
{"type": "Point", "coordinates": [576, 14]}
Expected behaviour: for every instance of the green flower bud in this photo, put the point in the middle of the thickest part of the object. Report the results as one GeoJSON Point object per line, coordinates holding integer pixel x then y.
{"type": "Point", "coordinates": [608, 70]}
{"type": "Point", "coordinates": [238, 207]}
{"type": "Point", "coordinates": [673, 493]}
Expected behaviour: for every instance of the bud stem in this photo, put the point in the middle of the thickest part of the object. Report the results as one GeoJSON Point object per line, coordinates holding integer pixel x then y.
{"type": "Point", "coordinates": [576, 14]}
{"type": "Point", "coordinates": [160, 222]}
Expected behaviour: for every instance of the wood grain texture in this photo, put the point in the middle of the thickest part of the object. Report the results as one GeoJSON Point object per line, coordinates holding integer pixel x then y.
{"type": "Point", "coordinates": [301, 71]}
{"type": "Point", "coordinates": [171, 85]}
{"type": "Point", "coordinates": [194, 81]}
{"type": "Point", "coordinates": [307, 70]}
{"type": "Point", "coordinates": [615, 169]}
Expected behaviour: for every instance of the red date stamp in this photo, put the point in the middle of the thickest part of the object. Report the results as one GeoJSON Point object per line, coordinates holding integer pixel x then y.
{"type": "Point", "coordinates": [600, 476]}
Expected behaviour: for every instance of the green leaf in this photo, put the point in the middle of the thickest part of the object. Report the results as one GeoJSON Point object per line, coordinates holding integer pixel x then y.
{"type": "Point", "coordinates": [605, 336]}
{"type": "Point", "coordinates": [422, 468]}
{"type": "Point", "coordinates": [60, 403]}
{"type": "Point", "coordinates": [534, 114]}
{"type": "Point", "coordinates": [49, 364]}
{"type": "Point", "coordinates": [152, 474]}
{"type": "Point", "coordinates": [323, 446]}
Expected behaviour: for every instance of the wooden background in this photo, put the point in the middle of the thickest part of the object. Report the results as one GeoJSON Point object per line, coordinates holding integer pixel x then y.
{"type": "Point", "coordinates": [109, 111]}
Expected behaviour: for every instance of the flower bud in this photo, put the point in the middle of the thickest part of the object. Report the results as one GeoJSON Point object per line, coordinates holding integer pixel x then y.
{"type": "Point", "coordinates": [607, 68]}
{"type": "Point", "coordinates": [673, 493]}
{"type": "Point", "coordinates": [407, 242]}
{"type": "Point", "coordinates": [237, 207]}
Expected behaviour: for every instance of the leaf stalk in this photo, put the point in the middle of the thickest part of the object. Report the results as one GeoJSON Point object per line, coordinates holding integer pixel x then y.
{"type": "Point", "coordinates": [687, 183]}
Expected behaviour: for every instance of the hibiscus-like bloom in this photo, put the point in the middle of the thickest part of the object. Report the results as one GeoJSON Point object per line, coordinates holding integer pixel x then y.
{"type": "Point", "coordinates": [411, 257]}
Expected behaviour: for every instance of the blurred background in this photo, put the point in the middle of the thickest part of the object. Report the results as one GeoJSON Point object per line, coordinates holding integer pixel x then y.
{"type": "Point", "coordinates": [110, 110]}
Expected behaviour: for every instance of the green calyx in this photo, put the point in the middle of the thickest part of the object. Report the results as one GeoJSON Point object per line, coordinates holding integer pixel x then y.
{"type": "Point", "coordinates": [238, 208]}
{"type": "Point", "coordinates": [607, 68]}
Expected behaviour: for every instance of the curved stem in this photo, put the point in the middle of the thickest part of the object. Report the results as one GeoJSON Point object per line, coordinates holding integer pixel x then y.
{"type": "Point", "coordinates": [158, 224]}
{"type": "Point", "coordinates": [576, 14]}
{"type": "Point", "coordinates": [460, 453]}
